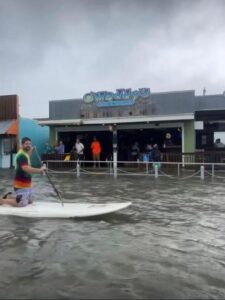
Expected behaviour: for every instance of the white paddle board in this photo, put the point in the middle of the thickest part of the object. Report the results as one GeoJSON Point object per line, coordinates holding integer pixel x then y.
{"type": "Point", "coordinates": [56, 210]}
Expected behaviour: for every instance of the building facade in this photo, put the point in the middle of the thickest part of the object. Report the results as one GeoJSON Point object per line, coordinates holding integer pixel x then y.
{"type": "Point", "coordinates": [138, 116]}
{"type": "Point", "coordinates": [13, 128]}
{"type": "Point", "coordinates": [9, 129]}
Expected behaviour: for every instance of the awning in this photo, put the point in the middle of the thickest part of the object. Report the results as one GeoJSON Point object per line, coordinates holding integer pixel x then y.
{"type": "Point", "coordinates": [119, 120]}
{"type": "Point", "coordinates": [210, 115]}
{"type": "Point", "coordinates": [9, 127]}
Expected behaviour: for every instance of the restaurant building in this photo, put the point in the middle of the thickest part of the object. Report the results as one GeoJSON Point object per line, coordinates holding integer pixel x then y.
{"type": "Point", "coordinates": [177, 121]}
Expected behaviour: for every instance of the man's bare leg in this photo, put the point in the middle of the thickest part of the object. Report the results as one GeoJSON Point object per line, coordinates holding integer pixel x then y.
{"type": "Point", "coordinates": [9, 201]}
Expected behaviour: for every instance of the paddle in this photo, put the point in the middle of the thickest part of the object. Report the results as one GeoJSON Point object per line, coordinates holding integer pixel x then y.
{"type": "Point", "coordinates": [49, 179]}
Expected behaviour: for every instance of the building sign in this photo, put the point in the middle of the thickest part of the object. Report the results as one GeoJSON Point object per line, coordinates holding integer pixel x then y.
{"type": "Point", "coordinates": [122, 97]}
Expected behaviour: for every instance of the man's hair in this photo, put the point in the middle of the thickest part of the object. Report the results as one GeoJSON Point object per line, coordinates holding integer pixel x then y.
{"type": "Point", "coordinates": [25, 139]}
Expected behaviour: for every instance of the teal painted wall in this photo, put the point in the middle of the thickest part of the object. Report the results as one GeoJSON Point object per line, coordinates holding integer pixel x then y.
{"type": "Point", "coordinates": [38, 134]}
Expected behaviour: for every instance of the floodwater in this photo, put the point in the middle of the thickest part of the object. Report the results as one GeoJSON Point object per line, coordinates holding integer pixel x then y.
{"type": "Point", "coordinates": [169, 244]}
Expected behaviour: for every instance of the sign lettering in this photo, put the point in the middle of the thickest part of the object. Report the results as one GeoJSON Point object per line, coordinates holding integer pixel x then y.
{"type": "Point", "coordinates": [121, 97]}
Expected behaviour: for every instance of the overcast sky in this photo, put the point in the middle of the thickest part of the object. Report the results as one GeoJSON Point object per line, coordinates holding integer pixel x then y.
{"type": "Point", "coordinates": [62, 49]}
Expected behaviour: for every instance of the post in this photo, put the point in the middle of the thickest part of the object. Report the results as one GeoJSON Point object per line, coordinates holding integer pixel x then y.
{"type": "Point", "coordinates": [115, 165]}
{"type": "Point", "coordinates": [213, 170]}
{"type": "Point", "coordinates": [183, 161]}
{"type": "Point", "coordinates": [78, 169]}
{"type": "Point", "coordinates": [146, 167]}
{"type": "Point", "coordinates": [115, 147]}
{"type": "Point", "coordinates": [178, 170]}
{"type": "Point", "coordinates": [202, 170]}
{"type": "Point", "coordinates": [110, 167]}
{"type": "Point", "coordinates": [156, 171]}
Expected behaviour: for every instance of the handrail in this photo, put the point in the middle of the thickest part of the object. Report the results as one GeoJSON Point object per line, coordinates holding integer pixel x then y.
{"type": "Point", "coordinates": [171, 170]}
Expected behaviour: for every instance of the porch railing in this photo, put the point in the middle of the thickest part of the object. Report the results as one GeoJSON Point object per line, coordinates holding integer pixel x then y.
{"type": "Point", "coordinates": [188, 157]}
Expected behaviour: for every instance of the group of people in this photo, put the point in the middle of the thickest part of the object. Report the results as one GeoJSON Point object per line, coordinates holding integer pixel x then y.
{"type": "Point", "coordinates": [78, 150]}
{"type": "Point", "coordinates": [150, 153]}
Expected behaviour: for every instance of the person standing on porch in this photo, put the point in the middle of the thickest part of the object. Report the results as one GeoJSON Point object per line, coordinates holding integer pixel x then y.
{"type": "Point", "coordinates": [96, 151]}
{"type": "Point", "coordinates": [60, 149]}
{"type": "Point", "coordinates": [79, 147]}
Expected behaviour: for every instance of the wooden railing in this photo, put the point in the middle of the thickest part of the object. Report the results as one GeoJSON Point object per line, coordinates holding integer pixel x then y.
{"type": "Point", "coordinates": [198, 157]}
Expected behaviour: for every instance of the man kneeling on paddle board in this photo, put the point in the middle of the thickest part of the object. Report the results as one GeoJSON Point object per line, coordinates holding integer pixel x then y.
{"type": "Point", "coordinates": [22, 180]}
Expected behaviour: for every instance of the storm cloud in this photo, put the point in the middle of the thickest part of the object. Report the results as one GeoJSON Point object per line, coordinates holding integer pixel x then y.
{"type": "Point", "coordinates": [54, 49]}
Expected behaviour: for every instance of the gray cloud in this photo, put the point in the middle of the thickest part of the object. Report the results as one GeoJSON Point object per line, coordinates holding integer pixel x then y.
{"type": "Point", "coordinates": [57, 49]}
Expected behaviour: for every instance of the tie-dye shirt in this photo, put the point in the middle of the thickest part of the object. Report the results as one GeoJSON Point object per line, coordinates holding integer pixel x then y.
{"type": "Point", "coordinates": [22, 179]}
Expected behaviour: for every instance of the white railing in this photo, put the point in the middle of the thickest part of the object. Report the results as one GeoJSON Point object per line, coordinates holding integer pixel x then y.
{"type": "Point", "coordinates": [177, 170]}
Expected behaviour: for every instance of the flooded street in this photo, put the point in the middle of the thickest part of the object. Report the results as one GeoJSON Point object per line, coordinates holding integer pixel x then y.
{"type": "Point", "coordinates": [169, 244]}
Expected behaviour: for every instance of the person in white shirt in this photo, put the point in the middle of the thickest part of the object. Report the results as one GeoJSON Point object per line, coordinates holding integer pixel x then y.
{"type": "Point", "coordinates": [79, 148]}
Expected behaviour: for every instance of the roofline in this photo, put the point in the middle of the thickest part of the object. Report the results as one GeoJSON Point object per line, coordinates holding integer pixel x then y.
{"type": "Point", "coordinates": [174, 92]}
{"type": "Point", "coordinates": [68, 99]}
{"type": "Point", "coordinates": [210, 95]}
{"type": "Point", "coordinates": [120, 120]}
{"type": "Point", "coordinates": [210, 109]}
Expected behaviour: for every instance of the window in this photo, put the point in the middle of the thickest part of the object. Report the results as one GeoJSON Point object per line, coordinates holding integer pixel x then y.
{"type": "Point", "coordinates": [219, 135]}
{"type": "Point", "coordinates": [219, 139]}
{"type": "Point", "coordinates": [204, 139]}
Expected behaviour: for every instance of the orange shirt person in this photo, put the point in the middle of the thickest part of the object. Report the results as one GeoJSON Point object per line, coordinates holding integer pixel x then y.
{"type": "Point", "coordinates": [96, 150]}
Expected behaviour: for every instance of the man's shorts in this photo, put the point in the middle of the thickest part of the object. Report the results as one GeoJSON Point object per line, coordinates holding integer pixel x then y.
{"type": "Point", "coordinates": [23, 197]}
{"type": "Point", "coordinates": [96, 156]}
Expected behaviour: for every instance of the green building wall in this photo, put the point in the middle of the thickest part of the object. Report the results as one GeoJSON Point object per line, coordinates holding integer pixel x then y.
{"type": "Point", "coordinates": [52, 136]}
{"type": "Point", "coordinates": [189, 136]}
